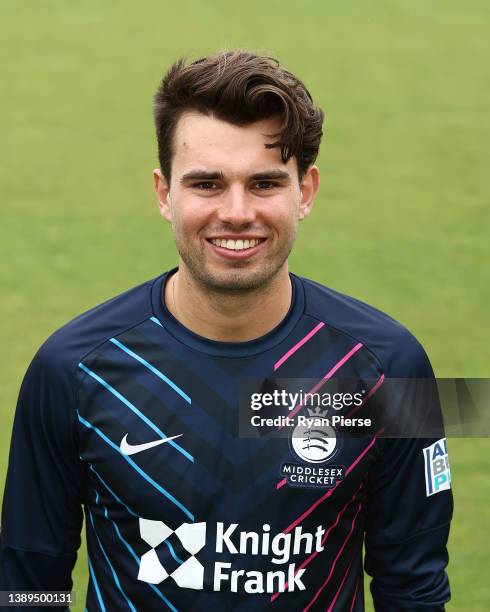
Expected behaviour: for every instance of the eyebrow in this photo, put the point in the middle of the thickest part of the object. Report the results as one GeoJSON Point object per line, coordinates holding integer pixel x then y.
{"type": "Point", "coordinates": [270, 174]}
{"type": "Point", "coordinates": [203, 175]}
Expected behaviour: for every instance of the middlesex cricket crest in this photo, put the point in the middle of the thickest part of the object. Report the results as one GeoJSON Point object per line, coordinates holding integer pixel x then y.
{"type": "Point", "coordinates": [313, 441]}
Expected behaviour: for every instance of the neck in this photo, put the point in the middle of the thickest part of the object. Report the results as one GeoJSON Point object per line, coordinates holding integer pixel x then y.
{"type": "Point", "coordinates": [225, 317]}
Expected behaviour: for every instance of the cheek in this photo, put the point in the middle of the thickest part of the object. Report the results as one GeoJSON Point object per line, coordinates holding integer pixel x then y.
{"type": "Point", "coordinates": [283, 217]}
{"type": "Point", "coordinates": [189, 219]}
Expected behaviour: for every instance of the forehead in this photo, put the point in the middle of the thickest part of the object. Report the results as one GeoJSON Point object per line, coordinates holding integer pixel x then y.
{"type": "Point", "coordinates": [205, 142]}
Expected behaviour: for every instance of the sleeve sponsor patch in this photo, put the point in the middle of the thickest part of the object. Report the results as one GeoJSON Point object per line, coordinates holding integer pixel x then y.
{"type": "Point", "coordinates": [437, 471]}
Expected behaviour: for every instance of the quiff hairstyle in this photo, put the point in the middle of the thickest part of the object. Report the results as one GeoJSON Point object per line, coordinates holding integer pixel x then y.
{"type": "Point", "coordinates": [239, 87]}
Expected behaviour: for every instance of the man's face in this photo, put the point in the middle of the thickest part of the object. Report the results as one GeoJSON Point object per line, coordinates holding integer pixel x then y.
{"type": "Point", "coordinates": [234, 205]}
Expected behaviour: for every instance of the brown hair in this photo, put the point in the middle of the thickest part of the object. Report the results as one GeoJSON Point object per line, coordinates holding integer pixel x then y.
{"type": "Point", "coordinates": [239, 87]}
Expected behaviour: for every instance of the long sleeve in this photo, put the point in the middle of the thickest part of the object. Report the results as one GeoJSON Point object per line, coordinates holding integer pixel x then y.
{"type": "Point", "coordinates": [407, 529]}
{"type": "Point", "coordinates": [42, 512]}
{"type": "Point", "coordinates": [410, 504]}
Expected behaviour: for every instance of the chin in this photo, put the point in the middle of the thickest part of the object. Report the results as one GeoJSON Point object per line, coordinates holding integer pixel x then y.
{"type": "Point", "coordinates": [241, 277]}
{"type": "Point", "coordinates": [233, 281]}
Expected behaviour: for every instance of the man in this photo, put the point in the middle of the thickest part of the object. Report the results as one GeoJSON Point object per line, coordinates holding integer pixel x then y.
{"type": "Point", "coordinates": [132, 410]}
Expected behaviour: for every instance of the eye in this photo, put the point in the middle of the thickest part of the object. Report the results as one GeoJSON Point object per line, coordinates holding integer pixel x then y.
{"type": "Point", "coordinates": [205, 186]}
{"type": "Point", "coordinates": [265, 185]}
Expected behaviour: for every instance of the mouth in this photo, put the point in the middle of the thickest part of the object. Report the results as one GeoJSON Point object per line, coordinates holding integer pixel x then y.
{"type": "Point", "coordinates": [241, 248]}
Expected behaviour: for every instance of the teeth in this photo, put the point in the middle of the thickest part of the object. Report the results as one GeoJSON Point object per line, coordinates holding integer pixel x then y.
{"type": "Point", "coordinates": [235, 245]}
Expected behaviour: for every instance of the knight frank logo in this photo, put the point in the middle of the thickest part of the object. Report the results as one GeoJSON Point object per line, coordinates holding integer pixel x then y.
{"type": "Point", "coordinates": [172, 555]}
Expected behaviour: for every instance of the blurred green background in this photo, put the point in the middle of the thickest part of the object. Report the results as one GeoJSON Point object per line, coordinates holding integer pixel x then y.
{"type": "Point", "coordinates": [402, 220]}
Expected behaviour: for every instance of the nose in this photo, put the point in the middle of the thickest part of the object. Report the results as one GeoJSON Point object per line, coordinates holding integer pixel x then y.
{"type": "Point", "coordinates": [236, 207]}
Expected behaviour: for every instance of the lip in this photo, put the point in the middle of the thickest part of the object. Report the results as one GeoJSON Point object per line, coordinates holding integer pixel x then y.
{"type": "Point", "coordinates": [236, 237]}
{"type": "Point", "coordinates": [237, 255]}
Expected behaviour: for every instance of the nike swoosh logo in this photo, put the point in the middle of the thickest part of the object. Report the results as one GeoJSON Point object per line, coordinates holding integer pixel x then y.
{"type": "Point", "coordinates": [131, 449]}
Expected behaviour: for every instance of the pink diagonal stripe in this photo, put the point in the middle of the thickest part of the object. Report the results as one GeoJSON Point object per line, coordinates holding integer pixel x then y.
{"type": "Point", "coordinates": [287, 355]}
{"type": "Point", "coordinates": [378, 384]}
{"type": "Point", "coordinates": [281, 483]}
{"type": "Point", "coordinates": [324, 539]}
{"type": "Point", "coordinates": [334, 600]}
{"type": "Point", "coordinates": [330, 491]}
{"type": "Point", "coordinates": [328, 375]}
{"type": "Point", "coordinates": [355, 596]}
{"type": "Point", "coordinates": [317, 594]}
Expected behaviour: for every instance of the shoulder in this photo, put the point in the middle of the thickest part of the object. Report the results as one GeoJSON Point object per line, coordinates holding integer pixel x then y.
{"type": "Point", "coordinates": [398, 352]}
{"type": "Point", "coordinates": [65, 348]}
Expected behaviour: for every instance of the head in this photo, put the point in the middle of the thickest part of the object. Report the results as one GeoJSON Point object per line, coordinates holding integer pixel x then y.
{"type": "Point", "coordinates": [238, 136]}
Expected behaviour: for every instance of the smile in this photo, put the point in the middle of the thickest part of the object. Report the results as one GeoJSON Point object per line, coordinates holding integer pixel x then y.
{"type": "Point", "coordinates": [235, 245]}
{"type": "Point", "coordinates": [234, 250]}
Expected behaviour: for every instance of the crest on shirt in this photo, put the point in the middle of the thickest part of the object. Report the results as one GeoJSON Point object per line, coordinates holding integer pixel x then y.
{"type": "Point", "coordinates": [314, 442]}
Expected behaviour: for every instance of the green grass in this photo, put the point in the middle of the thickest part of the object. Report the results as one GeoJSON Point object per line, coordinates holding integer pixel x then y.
{"type": "Point", "coordinates": [402, 221]}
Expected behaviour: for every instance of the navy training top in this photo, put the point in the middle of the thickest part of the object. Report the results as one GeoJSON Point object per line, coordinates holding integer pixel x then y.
{"type": "Point", "coordinates": [130, 417]}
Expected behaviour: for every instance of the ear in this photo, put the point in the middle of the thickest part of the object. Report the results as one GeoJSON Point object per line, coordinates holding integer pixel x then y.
{"type": "Point", "coordinates": [162, 191]}
{"type": "Point", "coordinates": [308, 187]}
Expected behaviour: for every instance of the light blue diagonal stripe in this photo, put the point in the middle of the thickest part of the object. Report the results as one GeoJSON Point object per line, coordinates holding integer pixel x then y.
{"type": "Point", "coordinates": [135, 556]}
{"type": "Point", "coordinates": [110, 490]}
{"type": "Point", "coordinates": [170, 547]}
{"type": "Point", "coordinates": [116, 579]}
{"type": "Point", "coordinates": [133, 408]}
{"type": "Point", "coordinates": [172, 552]}
{"type": "Point", "coordinates": [155, 371]}
{"type": "Point", "coordinates": [137, 467]}
{"type": "Point", "coordinates": [96, 585]}
{"type": "Point", "coordinates": [155, 320]}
